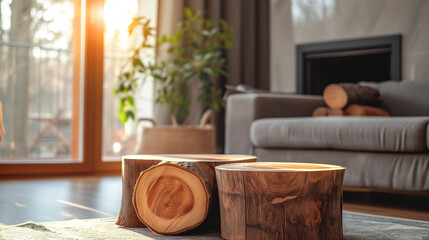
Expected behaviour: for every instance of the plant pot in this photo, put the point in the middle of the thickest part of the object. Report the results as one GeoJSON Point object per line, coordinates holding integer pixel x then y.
{"type": "Point", "coordinates": [178, 139]}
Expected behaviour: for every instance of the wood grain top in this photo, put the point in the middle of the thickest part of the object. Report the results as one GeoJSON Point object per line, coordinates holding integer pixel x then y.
{"type": "Point", "coordinates": [279, 167]}
{"type": "Point", "coordinates": [192, 157]}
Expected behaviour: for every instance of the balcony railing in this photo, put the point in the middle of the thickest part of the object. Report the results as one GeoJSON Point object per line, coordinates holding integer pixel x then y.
{"type": "Point", "coordinates": [36, 92]}
{"type": "Point", "coordinates": [36, 89]}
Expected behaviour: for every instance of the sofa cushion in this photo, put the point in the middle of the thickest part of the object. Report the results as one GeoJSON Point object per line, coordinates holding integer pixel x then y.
{"type": "Point", "coordinates": [382, 134]}
{"type": "Point", "coordinates": [399, 171]}
{"type": "Point", "coordinates": [403, 98]}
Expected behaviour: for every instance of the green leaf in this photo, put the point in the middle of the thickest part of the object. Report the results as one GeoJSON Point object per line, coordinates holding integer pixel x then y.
{"type": "Point", "coordinates": [188, 13]}
{"type": "Point", "coordinates": [130, 114]}
{"type": "Point", "coordinates": [121, 103]}
{"type": "Point", "coordinates": [119, 111]}
{"type": "Point", "coordinates": [179, 35]}
{"type": "Point", "coordinates": [186, 103]}
{"type": "Point", "coordinates": [130, 101]}
{"type": "Point", "coordinates": [123, 118]}
{"type": "Point", "coordinates": [195, 52]}
{"type": "Point", "coordinates": [137, 62]}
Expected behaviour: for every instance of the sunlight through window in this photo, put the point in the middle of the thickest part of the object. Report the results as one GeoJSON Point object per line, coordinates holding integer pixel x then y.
{"type": "Point", "coordinates": [117, 138]}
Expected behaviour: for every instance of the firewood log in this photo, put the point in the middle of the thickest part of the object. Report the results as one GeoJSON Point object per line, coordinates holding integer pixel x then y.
{"type": "Point", "coordinates": [335, 112]}
{"type": "Point", "coordinates": [324, 111]}
{"type": "Point", "coordinates": [338, 96]}
{"type": "Point", "coordinates": [173, 198]}
{"type": "Point", "coordinates": [132, 166]}
{"type": "Point", "coordinates": [280, 200]}
{"type": "Point", "coordinates": [360, 110]}
{"type": "Point", "coordinates": [320, 112]}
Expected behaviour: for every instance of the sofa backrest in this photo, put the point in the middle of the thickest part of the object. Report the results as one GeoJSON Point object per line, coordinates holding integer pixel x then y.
{"type": "Point", "coordinates": [403, 98]}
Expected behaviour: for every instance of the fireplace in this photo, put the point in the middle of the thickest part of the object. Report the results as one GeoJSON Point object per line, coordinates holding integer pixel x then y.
{"type": "Point", "coordinates": [368, 59]}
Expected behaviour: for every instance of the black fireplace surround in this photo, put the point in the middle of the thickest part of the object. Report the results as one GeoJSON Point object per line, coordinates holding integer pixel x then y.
{"type": "Point", "coordinates": [373, 59]}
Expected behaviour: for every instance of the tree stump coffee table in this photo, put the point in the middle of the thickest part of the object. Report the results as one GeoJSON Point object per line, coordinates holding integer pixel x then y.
{"type": "Point", "coordinates": [272, 200]}
{"type": "Point", "coordinates": [172, 193]}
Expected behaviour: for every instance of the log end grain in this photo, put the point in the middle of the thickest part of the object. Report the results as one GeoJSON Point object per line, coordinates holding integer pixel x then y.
{"type": "Point", "coordinates": [170, 199]}
{"type": "Point", "coordinates": [338, 96]}
{"type": "Point", "coordinates": [335, 96]}
{"type": "Point", "coordinates": [199, 165]}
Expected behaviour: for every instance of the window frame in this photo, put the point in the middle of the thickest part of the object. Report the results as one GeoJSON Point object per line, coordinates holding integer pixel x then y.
{"type": "Point", "coordinates": [92, 102]}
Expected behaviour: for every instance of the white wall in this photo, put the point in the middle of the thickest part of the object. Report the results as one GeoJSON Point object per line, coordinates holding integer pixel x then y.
{"type": "Point", "coordinates": [304, 21]}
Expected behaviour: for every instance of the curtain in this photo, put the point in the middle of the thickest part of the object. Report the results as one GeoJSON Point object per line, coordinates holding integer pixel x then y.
{"type": "Point", "coordinates": [248, 59]}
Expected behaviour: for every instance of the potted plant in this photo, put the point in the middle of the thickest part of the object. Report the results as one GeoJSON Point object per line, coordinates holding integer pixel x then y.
{"type": "Point", "coordinates": [185, 79]}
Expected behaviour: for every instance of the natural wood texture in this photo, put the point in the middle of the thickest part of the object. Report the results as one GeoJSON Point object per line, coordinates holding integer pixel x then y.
{"type": "Point", "coordinates": [132, 166]}
{"type": "Point", "coordinates": [75, 124]}
{"type": "Point", "coordinates": [387, 211]}
{"type": "Point", "coordinates": [131, 169]}
{"type": "Point", "coordinates": [280, 200]}
{"type": "Point", "coordinates": [361, 110]}
{"type": "Point", "coordinates": [324, 111]}
{"type": "Point", "coordinates": [321, 112]}
{"type": "Point", "coordinates": [338, 96]}
{"type": "Point", "coordinates": [336, 112]}
{"type": "Point", "coordinates": [61, 198]}
{"type": "Point", "coordinates": [40, 201]}
{"type": "Point", "coordinates": [171, 198]}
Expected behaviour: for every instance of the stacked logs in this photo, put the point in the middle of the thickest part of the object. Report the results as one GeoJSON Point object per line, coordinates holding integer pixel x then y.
{"type": "Point", "coordinates": [350, 99]}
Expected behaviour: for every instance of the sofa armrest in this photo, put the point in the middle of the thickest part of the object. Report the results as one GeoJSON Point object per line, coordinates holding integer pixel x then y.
{"type": "Point", "coordinates": [243, 109]}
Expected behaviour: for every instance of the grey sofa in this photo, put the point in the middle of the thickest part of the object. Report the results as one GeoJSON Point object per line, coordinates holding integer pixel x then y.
{"type": "Point", "coordinates": [378, 152]}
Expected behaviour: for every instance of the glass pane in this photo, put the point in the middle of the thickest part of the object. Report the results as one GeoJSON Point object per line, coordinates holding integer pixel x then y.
{"type": "Point", "coordinates": [38, 85]}
{"type": "Point", "coordinates": [117, 138]}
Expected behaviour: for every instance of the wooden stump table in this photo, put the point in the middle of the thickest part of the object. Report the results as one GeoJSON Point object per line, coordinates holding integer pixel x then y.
{"type": "Point", "coordinates": [171, 193]}
{"type": "Point", "coordinates": [272, 200]}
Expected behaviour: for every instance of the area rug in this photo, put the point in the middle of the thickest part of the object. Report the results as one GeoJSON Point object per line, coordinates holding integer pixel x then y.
{"type": "Point", "coordinates": [356, 227]}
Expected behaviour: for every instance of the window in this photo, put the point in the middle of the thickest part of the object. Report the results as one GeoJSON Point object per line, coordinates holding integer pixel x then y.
{"type": "Point", "coordinates": [55, 73]}
{"type": "Point", "coordinates": [117, 139]}
{"type": "Point", "coordinates": [39, 80]}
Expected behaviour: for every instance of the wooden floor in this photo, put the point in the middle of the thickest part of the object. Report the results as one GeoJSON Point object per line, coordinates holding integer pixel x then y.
{"type": "Point", "coordinates": [43, 200]}
{"type": "Point", "coordinates": [410, 206]}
